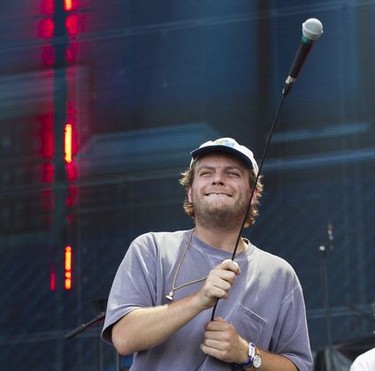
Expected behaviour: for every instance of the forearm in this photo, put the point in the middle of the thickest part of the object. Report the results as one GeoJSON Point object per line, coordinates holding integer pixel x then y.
{"type": "Point", "coordinates": [146, 328]}
{"type": "Point", "coordinates": [271, 362]}
{"type": "Point", "coordinates": [222, 341]}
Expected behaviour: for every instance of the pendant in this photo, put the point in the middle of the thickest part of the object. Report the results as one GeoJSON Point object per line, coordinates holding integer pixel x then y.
{"type": "Point", "coordinates": [170, 296]}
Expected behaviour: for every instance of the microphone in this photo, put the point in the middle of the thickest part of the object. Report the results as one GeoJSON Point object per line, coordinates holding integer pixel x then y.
{"type": "Point", "coordinates": [312, 29]}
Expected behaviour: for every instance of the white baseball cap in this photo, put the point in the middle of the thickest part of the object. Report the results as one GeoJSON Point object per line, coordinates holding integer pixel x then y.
{"type": "Point", "coordinates": [228, 145]}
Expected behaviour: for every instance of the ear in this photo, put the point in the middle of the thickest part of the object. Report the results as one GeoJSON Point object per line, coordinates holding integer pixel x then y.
{"type": "Point", "coordinates": [189, 195]}
{"type": "Point", "coordinates": [254, 198]}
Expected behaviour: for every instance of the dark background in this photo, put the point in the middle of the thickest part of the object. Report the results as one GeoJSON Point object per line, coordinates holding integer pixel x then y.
{"type": "Point", "coordinates": [142, 83]}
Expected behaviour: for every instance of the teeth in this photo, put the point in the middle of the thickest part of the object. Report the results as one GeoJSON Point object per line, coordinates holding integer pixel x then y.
{"type": "Point", "coordinates": [218, 194]}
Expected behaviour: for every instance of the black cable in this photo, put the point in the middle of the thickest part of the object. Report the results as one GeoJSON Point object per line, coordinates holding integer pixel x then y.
{"type": "Point", "coordinates": [270, 134]}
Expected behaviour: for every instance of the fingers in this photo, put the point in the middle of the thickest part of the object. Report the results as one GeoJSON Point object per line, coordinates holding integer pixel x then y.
{"type": "Point", "coordinates": [229, 265]}
{"type": "Point", "coordinates": [222, 277]}
{"type": "Point", "coordinates": [218, 283]}
{"type": "Point", "coordinates": [218, 324]}
{"type": "Point", "coordinates": [220, 340]}
{"type": "Point", "coordinates": [220, 280]}
{"type": "Point", "coordinates": [216, 339]}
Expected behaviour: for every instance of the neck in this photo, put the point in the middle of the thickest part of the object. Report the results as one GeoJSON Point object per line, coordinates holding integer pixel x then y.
{"type": "Point", "coordinates": [222, 240]}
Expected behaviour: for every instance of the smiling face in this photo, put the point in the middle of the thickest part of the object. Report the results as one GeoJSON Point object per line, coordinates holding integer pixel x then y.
{"type": "Point", "coordinates": [220, 191]}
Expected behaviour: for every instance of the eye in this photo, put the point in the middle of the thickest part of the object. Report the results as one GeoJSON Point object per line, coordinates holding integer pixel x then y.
{"type": "Point", "coordinates": [205, 172]}
{"type": "Point", "coordinates": [234, 174]}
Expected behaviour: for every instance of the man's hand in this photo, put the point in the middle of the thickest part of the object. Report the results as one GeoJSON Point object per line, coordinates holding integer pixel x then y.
{"type": "Point", "coordinates": [222, 341]}
{"type": "Point", "coordinates": [218, 283]}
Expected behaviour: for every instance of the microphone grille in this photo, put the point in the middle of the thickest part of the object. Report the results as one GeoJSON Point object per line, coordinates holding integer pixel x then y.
{"type": "Point", "coordinates": [312, 28]}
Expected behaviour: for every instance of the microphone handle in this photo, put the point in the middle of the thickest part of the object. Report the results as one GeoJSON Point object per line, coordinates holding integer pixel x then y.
{"type": "Point", "coordinates": [300, 57]}
{"type": "Point", "coordinates": [298, 61]}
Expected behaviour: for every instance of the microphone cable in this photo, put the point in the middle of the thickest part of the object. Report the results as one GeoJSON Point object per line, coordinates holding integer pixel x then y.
{"type": "Point", "coordinates": [312, 30]}
{"type": "Point", "coordinates": [270, 134]}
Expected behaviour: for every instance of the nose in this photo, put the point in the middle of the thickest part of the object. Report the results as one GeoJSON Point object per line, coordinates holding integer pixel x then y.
{"type": "Point", "coordinates": [217, 179]}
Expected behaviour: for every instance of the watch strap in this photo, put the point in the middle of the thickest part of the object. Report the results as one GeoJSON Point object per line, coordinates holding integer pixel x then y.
{"type": "Point", "coordinates": [251, 354]}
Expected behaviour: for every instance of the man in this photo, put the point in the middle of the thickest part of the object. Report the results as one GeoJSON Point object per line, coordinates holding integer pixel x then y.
{"type": "Point", "coordinates": [162, 299]}
{"type": "Point", "coordinates": [364, 362]}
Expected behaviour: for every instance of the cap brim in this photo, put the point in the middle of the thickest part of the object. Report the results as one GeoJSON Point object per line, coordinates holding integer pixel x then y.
{"type": "Point", "coordinates": [219, 148]}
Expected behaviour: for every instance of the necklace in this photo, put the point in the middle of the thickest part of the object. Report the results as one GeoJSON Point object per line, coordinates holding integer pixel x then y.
{"type": "Point", "coordinates": [174, 287]}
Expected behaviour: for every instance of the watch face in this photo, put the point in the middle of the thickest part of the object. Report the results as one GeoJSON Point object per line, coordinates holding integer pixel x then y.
{"type": "Point", "coordinates": [257, 361]}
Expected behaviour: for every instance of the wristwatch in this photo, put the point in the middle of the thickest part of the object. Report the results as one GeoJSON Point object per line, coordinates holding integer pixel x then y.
{"type": "Point", "coordinates": [257, 361]}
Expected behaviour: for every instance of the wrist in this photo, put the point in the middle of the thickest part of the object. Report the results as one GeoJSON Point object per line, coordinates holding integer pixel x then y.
{"type": "Point", "coordinates": [254, 359]}
{"type": "Point", "coordinates": [250, 357]}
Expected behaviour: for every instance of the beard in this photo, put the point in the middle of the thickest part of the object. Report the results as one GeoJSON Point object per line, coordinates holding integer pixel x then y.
{"type": "Point", "coordinates": [219, 214]}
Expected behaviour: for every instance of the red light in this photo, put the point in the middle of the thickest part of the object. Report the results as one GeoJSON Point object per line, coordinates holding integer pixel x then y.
{"type": "Point", "coordinates": [71, 198]}
{"type": "Point", "coordinates": [47, 136]}
{"type": "Point", "coordinates": [71, 172]}
{"type": "Point", "coordinates": [47, 7]}
{"type": "Point", "coordinates": [47, 146]}
{"type": "Point", "coordinates": [48, 172]}
{"type": "Point", "coordinates": [48, 55]}
{"type": "Point", "coordinates": [68, 143]}
{"type": "Point", "coordinates": [46, 28]}
{"type": "Point", "coordinates": [68, 255]}
{"type": "Point", "coordinates": [72, 24]}
{"type": "Point", "coordinates": [72, 53]}
{"type": "Point", "coordinates": [68, 5]}
{"type": "Point", "coordinates": [52, 278]}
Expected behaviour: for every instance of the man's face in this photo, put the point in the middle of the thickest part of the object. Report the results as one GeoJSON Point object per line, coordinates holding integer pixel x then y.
{"type": "Point", "coordinates": [220, 192]}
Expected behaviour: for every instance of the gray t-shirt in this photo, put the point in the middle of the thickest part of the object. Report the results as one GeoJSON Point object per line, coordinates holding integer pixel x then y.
{"type": "Point", "coordinates": [265, 304]}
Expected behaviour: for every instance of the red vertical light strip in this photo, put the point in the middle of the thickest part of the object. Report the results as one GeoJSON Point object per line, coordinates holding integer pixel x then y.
{"type": "Point", "coordinates": [72, 25]}
{"type": "Point", "coordinates": [68, 143]}
{"type": "Point", "coordinates": [47, 147]}
{"type": "Point", "coordinates": [52, 278]}
{"type": "Point", "coordinates": [46, 134]}
{"type": "Point", "coordinates": [72, 30]}
{"type": "Point", "coordinates": [46, 31]}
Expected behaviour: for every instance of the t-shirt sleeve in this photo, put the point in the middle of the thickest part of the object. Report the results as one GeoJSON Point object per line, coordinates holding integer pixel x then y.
{"type": "Point", "coordinates": [134, 283]}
